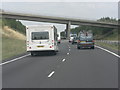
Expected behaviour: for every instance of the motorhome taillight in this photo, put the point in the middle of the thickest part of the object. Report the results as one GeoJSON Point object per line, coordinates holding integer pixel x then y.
{"type": "Point", "coordinates": [29, 47]}
{"type": "Point", "coordinates": [52, 40]}
{"type": "Point", "coordinates": [50, 46]}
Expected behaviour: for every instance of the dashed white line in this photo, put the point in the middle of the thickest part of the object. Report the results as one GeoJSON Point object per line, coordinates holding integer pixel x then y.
{"type": "Point", "coordinates": [68, 53]}
{"type": "Point", "coordinates": [63, 60]}
{"type": "Point", "coordinates": [14, 59]}
{"type": "Point", "coordinates": [51, 74]}
{"type": "Point", "coordinates": [69, 49]}
{"type": "Point", "coordinates": [108, 51]}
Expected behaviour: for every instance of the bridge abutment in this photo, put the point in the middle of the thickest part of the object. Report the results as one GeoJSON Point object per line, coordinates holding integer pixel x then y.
{"type": "Point", "coordinates": [68, 27]}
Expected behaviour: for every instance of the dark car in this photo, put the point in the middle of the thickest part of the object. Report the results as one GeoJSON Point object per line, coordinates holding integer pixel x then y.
{"type": "Point", "coordinates": [72, 36]}
{"type": "Point", "coordinates": [85, 42]}
{"type": "Point", "coordinates": [75, 40]}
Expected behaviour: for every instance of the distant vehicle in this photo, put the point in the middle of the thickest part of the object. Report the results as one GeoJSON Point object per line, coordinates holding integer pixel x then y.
{"type": "Point", "coordinates": [75, 40]}
{"type": "Point", "coordinates": [85, 40]}
{"type": "Point", "coordinates": [63, 38]}
{"type": "Point", "coordinates": [41, 38]}
{"type": "Point", "coordinates": [59, 38]}
{"type": "Point", "coordinates": [72, 36]}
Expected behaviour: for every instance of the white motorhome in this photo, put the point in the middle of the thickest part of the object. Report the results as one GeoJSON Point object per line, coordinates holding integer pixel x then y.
{"type": "Point", "coordinates": [41, 38]}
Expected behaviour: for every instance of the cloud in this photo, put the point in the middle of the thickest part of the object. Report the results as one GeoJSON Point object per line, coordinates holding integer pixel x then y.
{"type": "Point", "coordinates": [81, 10]}
{"type": "Point", "coordinates": [60, 1]}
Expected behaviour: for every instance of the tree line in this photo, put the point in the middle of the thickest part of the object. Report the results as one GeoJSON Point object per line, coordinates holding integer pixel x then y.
{"type": "Point", "coordinates": [14, 24]}
{"type": "Point", "coordinates": [99, 32]}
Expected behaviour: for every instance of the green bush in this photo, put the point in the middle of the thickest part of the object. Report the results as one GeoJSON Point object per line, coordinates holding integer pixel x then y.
{"type": "Point", "coordinates": [15, 24]}
{"type": "Point", "coordinates": [99, 32]}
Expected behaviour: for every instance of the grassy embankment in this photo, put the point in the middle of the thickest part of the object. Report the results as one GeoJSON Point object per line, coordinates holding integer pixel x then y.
{"type": "Point", "coordinates": [13, 43]}
{"type": "Point", "coordinates": [112, 37]}
{"type": "Point", "coordinates": [111, 46]}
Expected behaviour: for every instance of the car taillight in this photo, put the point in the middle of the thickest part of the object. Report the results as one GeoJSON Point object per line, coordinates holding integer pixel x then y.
{"type": "Point", "coordinates": [78, 41]}
{"type": "Point", "coordinates": [93, 41]}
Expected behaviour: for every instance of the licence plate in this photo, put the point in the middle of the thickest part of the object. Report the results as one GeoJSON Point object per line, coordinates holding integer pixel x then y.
{"type": "Point", "coordinates": [40, 46]}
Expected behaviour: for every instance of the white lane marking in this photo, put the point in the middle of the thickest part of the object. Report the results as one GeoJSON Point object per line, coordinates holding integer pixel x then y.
{"type": "Point", "coordinates": [63, 60]}
{"type": "Point", "coordinates": [69, 49]}
{"type": "Point", "coordinates": [68, 53]}
{"type": "Point", "coordinates": [108, 51]}
{"type": "Point", "coordinates": [51, 74]}
{"type": "Point", "coordinates": [14, 59]}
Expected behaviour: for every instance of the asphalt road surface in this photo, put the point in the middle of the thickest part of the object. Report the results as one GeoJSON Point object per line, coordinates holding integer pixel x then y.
{"type": "Point", "coordinates": [70, 68]}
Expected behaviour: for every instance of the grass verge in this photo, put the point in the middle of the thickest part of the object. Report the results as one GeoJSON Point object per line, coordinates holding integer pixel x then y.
{"type": "Point", "coordinates": [111, 46]}
{"type": "Point", "coordinates": [13, 43]}
{"type": "Point", "coordinates": [12, 47]}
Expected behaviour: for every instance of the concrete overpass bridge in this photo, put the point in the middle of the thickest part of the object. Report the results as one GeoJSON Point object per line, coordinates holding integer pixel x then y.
{"type": "Point", "coordinates": [60, 20]}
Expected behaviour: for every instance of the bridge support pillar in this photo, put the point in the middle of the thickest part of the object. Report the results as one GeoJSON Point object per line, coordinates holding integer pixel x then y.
{"type": "Point", "coordinates": [68, 30]}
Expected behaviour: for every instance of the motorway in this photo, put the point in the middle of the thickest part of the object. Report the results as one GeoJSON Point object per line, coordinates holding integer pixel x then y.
{"type": "Point", "coordinates": [70, 68]}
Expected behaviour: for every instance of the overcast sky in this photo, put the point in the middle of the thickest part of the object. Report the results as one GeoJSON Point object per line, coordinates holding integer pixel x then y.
{"type": "Point", "coordinates": [80, 10]}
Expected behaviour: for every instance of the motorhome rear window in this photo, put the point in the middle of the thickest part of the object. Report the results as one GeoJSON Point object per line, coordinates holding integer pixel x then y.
{"type": "Point", "coordinates": [40, 35]}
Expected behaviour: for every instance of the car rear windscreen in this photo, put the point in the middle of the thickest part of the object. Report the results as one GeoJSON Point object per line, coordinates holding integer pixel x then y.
{"type": "Point", "coordinates": [73, 35]}
{"type": "Point", "coordinates": [40, 35]}
{"type": "Point", "coordinates": [86, 37]}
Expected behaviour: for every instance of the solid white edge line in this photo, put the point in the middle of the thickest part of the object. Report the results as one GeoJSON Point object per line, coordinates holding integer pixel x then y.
{"type": "Point", "coordinates": [108, 51]}
{"type": "Point", "coordinates": [14, 59]}
{"type": "Point", "coordinates": [51, 74]}
{"type": "Point", "coordinates": [63, 60]}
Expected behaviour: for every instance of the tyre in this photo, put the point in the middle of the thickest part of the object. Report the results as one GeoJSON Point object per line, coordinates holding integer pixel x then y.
{"type": "Point", "coordinates": [32, 53]}
{"type": "Point", "coordinates": [93, 47]}
{"type": "Point", "coordinates": [78, 47]}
